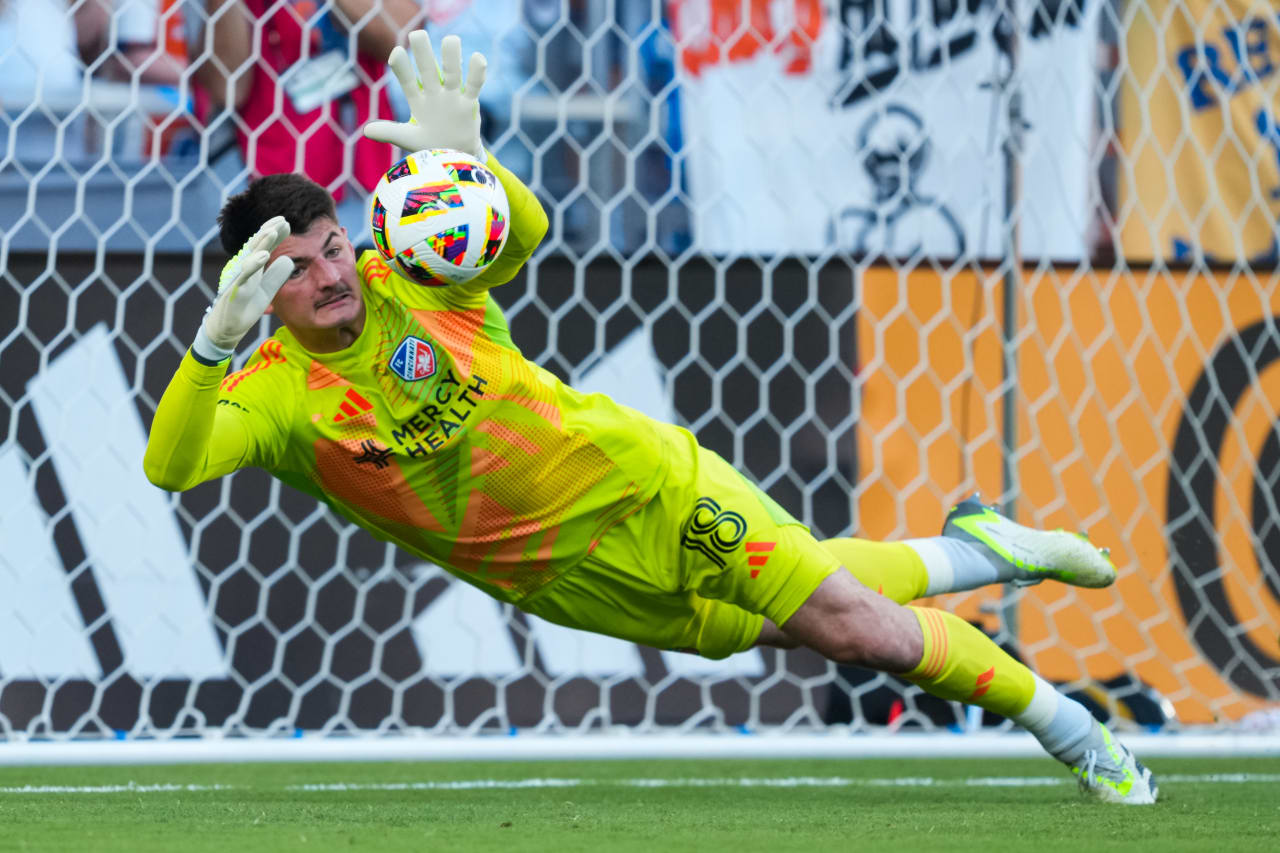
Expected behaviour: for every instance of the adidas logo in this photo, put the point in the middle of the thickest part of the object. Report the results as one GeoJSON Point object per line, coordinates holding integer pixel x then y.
{"type": "Point", "coordinates": [352, 406]}
{"type": "Point", "coordinates": [759, 555]}
{"type": "Point", "coordinates": [981, 685]}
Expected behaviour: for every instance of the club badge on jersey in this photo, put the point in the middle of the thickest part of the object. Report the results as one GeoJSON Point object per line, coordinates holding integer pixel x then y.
{"type": "Point", "coordinates": [414, 359]}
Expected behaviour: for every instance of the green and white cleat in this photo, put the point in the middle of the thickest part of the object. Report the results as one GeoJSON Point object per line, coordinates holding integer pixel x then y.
{"type": "Point", "coordinates": [1113, 775]}
{"type": "Point", "coordinates": [1025, 556]}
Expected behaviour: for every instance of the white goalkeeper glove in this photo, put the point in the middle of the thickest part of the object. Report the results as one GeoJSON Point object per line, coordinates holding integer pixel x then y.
{"type": "Point", "coordinates": [245, 290]}
{"type": "Point", "coordinates": [445, 114]}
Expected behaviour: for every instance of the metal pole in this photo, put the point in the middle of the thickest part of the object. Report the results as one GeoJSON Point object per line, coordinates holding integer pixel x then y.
{"type": "Point", "coordinates": [1011, 251]}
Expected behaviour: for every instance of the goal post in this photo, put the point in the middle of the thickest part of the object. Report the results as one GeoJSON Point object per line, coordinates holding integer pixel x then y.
{"type": "Point", "coordinates": [782, 225]}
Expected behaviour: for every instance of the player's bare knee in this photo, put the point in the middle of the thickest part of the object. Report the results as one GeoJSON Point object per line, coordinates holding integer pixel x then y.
{"type": "Point", "coordinates": [877, 644]}
{"type": "Point", "coordinates": [848, 623]}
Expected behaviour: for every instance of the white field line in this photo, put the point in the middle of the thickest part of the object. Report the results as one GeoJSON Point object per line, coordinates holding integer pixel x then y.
{"type": "Point", "coordinates": [568, 747]}
{"type": "Point", "coordinates": [516, 784]}
{"type": "Point", "coordinates": [126, 788]}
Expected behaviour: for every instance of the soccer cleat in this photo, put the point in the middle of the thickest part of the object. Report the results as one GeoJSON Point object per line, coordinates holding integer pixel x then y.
{"type": "Point", "coordinates": [1024, 556]}
{"type": "Point", "coordinates": [1113, 775]}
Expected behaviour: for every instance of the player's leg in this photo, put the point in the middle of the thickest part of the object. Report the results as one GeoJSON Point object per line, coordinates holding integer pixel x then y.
{"type": "Point", "coordinates": [946, 656]}
{"type": "Point", "coordinates": [715, 566]}
{"type": "Point", "coordinates": [978, 546]}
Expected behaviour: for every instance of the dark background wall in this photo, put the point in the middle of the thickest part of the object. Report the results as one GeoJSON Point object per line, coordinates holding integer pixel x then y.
{"type": "Point", "coordinates": [759, 360]}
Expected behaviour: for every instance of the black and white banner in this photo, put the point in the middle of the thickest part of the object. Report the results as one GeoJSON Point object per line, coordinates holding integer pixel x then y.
{"type": "Point", "coordinates": [877, 126]}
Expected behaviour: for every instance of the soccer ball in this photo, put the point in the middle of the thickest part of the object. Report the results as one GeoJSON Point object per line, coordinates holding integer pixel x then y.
{"type": "Point", "coordinates": [439, 217]}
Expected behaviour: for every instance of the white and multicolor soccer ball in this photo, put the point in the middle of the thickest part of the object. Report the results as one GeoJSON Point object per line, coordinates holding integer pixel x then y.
{"type": "Point", "coordinates": [439, 217]}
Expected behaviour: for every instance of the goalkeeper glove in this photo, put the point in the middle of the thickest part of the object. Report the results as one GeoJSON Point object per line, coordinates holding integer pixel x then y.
{"type": "Point", "coordinates": [445, 114]}
{"type": "Point", "coordinates": [245, 290]}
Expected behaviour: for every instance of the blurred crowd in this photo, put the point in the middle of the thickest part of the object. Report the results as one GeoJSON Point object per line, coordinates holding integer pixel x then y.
{"type": "Point", "coordinates": [48, 46]}
{"type": "Point", "coordinates": [305, 66]}
{"type": "Point", "coordinates": [240, 88]}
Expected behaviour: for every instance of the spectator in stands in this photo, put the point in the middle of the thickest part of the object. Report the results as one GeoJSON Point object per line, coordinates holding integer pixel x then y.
{"type": "Point", "coordinates": [39, 65]}
{"type": "Point", "coordinates": [120, 39]}
{"type": "Point", "coordinates": [302, 85]}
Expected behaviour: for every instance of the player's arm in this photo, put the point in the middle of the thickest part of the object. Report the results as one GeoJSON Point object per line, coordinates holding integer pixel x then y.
{"type": "Point", "coordinates": [379, 24]}
{"type": "Point", "coordinates": [225, 73]}
{"type": "Point", "coordinates": [191, 441]}
{"type": "Point", "coordinates": [528, 227]}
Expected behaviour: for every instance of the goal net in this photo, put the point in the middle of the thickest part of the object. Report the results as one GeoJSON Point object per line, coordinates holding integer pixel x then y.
{"type": "Point", "coordinates": [878, 254]}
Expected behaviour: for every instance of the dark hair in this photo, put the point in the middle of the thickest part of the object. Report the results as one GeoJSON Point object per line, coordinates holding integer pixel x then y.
{"type": "Point", "coordinates": [297, 198]}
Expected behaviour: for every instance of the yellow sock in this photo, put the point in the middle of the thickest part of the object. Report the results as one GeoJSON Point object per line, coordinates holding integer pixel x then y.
{"type": "Point", "coordinates": [962, 663]}
{"type": "Point", "coordinates": [892, 569]}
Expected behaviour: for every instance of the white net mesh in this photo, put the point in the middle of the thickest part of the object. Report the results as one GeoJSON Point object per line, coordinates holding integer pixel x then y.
{"type": "Point", "coordinates": [877, 253]}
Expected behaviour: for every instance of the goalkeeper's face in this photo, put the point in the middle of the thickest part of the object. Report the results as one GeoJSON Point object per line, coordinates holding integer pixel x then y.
{"type": "Point", "coordinates": [323, 291]}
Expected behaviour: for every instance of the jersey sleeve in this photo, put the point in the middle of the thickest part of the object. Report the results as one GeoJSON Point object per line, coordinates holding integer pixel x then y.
{"type": "Point", "coordinates": [208, 424]}
{"type": "Point", "coordinates": [528, 227]}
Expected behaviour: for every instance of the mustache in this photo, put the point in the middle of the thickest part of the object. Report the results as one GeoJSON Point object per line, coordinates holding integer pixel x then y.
{"type": "Point", "coordinates": [336, 292]}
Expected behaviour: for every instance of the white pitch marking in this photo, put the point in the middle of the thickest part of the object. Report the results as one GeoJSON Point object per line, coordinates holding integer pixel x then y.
{"type": "Point", "coordinates": [1220, 777]}
{"type": "Point", "coordinates": [463, 785]}
{"type": "Point", "coordinates": [516, 784]}
{"type": "Point", "coordinates": [127, 788]}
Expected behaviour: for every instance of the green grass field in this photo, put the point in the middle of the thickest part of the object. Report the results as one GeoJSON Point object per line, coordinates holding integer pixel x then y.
{"type": "Point", "coordinates": [722, 805]}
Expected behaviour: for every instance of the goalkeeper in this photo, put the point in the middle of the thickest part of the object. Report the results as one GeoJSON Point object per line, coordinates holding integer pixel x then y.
{"type": "Point", "coordinates": [410, 411]}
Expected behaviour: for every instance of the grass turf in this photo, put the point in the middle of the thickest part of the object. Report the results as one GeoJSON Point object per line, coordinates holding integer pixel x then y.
{"type": "Point", "coordinates": [784, 805]}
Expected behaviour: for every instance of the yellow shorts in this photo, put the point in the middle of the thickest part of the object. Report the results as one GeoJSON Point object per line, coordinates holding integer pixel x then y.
{"type": "Point", "coordinates": [697, 569]}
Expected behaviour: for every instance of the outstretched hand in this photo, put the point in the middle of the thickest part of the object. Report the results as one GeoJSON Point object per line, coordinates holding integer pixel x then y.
{"type": "Point", "coordinates": [245, 289]}
{"type": "Point", "coordinates": [445, 112]}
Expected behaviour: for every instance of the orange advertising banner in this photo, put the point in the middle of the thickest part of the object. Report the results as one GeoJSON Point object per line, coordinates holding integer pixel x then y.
{"type": "Point", "coordinates": [1148, 417]}
{"type": "Point", "coordinates": [1199, 132]}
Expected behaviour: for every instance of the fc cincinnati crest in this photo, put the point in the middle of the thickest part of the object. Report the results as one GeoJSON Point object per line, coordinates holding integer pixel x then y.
{"type": "Point", "coordinates": [414, 359]}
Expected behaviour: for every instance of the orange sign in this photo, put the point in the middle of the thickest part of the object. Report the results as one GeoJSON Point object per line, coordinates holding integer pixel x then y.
{"type": "Point", "coordinates": [1200, 131]}
{"type": "Point", "coordinates": [1148, 416]}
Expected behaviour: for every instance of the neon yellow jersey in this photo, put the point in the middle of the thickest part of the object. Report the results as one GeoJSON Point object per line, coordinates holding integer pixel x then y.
{"type": "Point", "coordinates": [433, 431]}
